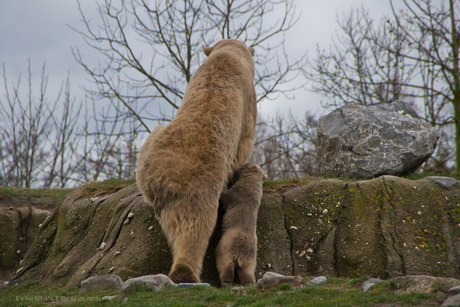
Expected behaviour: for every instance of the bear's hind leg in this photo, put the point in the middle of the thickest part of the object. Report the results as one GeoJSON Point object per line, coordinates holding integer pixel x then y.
{"type": "Point", "coordinates": [189, 232]}
{"type": "Point", "coordinates": [181, 272]}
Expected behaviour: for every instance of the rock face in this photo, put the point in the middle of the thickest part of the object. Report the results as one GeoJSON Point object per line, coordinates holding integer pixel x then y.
{"type": "Point", "coordinates": [366, 141]}
{"type": "Point", "coordinates": [384, 227]}
{"type": "Point", "coordinates": [19, 224]}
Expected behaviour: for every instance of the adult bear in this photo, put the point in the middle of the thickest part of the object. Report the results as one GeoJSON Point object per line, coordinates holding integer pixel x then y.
{"type": "Point", "coordinates": [184, 166]}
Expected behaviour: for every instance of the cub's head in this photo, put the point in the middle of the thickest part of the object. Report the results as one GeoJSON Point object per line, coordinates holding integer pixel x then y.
{"type": "Point", "coordinates": [252, 170]}
{"type": "Point", "coordinates": [229, 43]}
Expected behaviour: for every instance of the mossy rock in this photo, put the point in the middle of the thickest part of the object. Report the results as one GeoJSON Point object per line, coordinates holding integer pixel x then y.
{"type": "Point", "coordinates": [384, 227]}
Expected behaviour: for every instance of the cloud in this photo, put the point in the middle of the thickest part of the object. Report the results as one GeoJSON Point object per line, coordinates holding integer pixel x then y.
{"type": "Point", "coordinates": [39, 30]}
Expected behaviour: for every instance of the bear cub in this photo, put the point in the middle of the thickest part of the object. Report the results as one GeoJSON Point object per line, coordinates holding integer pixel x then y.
{"type": "Point", "coordinates": [237, 249]}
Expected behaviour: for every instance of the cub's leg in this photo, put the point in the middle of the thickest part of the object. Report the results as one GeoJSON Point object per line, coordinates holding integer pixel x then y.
{"type": "Point", "coordinates": [225, 267]}
{"type": "Point", "coordinates": [225, 256]}
{"type": "Point", "coordinates": [245, 271]}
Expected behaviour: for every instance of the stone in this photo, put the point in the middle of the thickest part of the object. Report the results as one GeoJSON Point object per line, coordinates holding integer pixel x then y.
{"type": "Point", "coordinates": [424, 284]}
{"type": "Point", "coordinates": [366, 141]}
{"type": "Point", "coordinates": [148, 283]}
{"type": "Point", "coordinates": [443, 182]}
{"type": "Point", "coordinates": [452, 301]}
{"type": "Point", "coordinates": [272, 280]}
{"type": "Point", "coordinates": [238, 291]}
{"type": "Point", "coordinates": [454, 291]}
{"type": "Point", "coordinates": [101, 282]}
{"type": "Point", "coordinates": [189, 285]}
{"type": "Point", "coordinates": [370, 283]}
{"type": "Point", "coordinates": [320, 280]}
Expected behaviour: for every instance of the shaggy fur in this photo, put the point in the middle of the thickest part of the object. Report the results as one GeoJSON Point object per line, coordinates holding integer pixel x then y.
{"type": "Point", "coordinates": [237, 249]}
{"type": "Point", "coordinates": [184, 166]}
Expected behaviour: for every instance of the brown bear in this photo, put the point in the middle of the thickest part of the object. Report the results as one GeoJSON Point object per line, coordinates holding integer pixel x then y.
{"type": "Point", "coordinates": [184, 166]}
{"type": "Point", "coordinates": [237, 249]}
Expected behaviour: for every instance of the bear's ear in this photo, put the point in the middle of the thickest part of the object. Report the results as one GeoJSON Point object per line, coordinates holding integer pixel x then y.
{"type": "Point", "coordinates": [251, 50]}
{"type": "Point", "coordinates": [207, 50]}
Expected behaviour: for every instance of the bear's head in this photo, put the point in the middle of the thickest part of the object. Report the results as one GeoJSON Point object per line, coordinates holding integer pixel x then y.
{"type": "Point", "coordinates": [228, 43]}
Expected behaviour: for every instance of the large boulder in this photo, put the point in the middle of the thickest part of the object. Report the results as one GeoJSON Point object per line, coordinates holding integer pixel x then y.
{"type": "Point", "coordinates": [384, 227]}
{"type": "Point", "coordinates": [366, 141]}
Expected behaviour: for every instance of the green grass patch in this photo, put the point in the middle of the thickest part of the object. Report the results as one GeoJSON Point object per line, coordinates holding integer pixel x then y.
{"type": "Point", "coordinates": [271, 183]}
{"type": "Point", "coordinates": [337, 292]}
{"type": "Point", "coordinates": [109, 184]}
{"type": "Point", "coordinates": [102, 187]}
{"type": "Point", "coordinates": [41, 197]}
{"type": "Point", "coordinates": [57, 194]}
{"type": "Point", "coordinates": [282, 185]}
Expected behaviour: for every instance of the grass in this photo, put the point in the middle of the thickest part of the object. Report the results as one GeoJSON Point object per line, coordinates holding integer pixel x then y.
{"type": "Point", "coordinates": [102, 187]}
{"type": "Point", "coordinates": [338, 292]}
{"type": "Point", "coordinates": [43, 198]}
{"type": "Point", "coordinates": [282, 185]}
{"type": "Point", "coordinates": [46, 198]}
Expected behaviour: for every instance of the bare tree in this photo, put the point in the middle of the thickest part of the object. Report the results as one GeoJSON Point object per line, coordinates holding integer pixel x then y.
{"type": "Point", "coordinates": [35, 144]}
{"type": "Point", "coordinates": [63, 141]}
{"type": "Point", "coordinates": [108, 146]}
{"type": "Point", "coordinates": [357, 69]}
{"type": "Point", "coordinates": [25, 125]}
{"type": "Point", "coordinates": [46, 143]}
{"type": "Point", "coordinates": [433, 30]}
{"type": "Point", "coordinates": [285, 147]}
{"type": "Point", "coordinates": [151, 49]}
{"type": "Point", "coordinates": [412, 55]}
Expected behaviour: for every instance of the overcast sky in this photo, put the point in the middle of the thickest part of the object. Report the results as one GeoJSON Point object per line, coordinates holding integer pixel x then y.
{"type": "Point", "coordinates": [38, 30]}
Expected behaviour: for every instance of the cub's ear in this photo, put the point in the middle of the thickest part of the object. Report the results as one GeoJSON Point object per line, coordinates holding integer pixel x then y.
{"type": "Point", "coordinates": [251, 50]}
{"type": "Point", "coordinates": [207, 50]}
